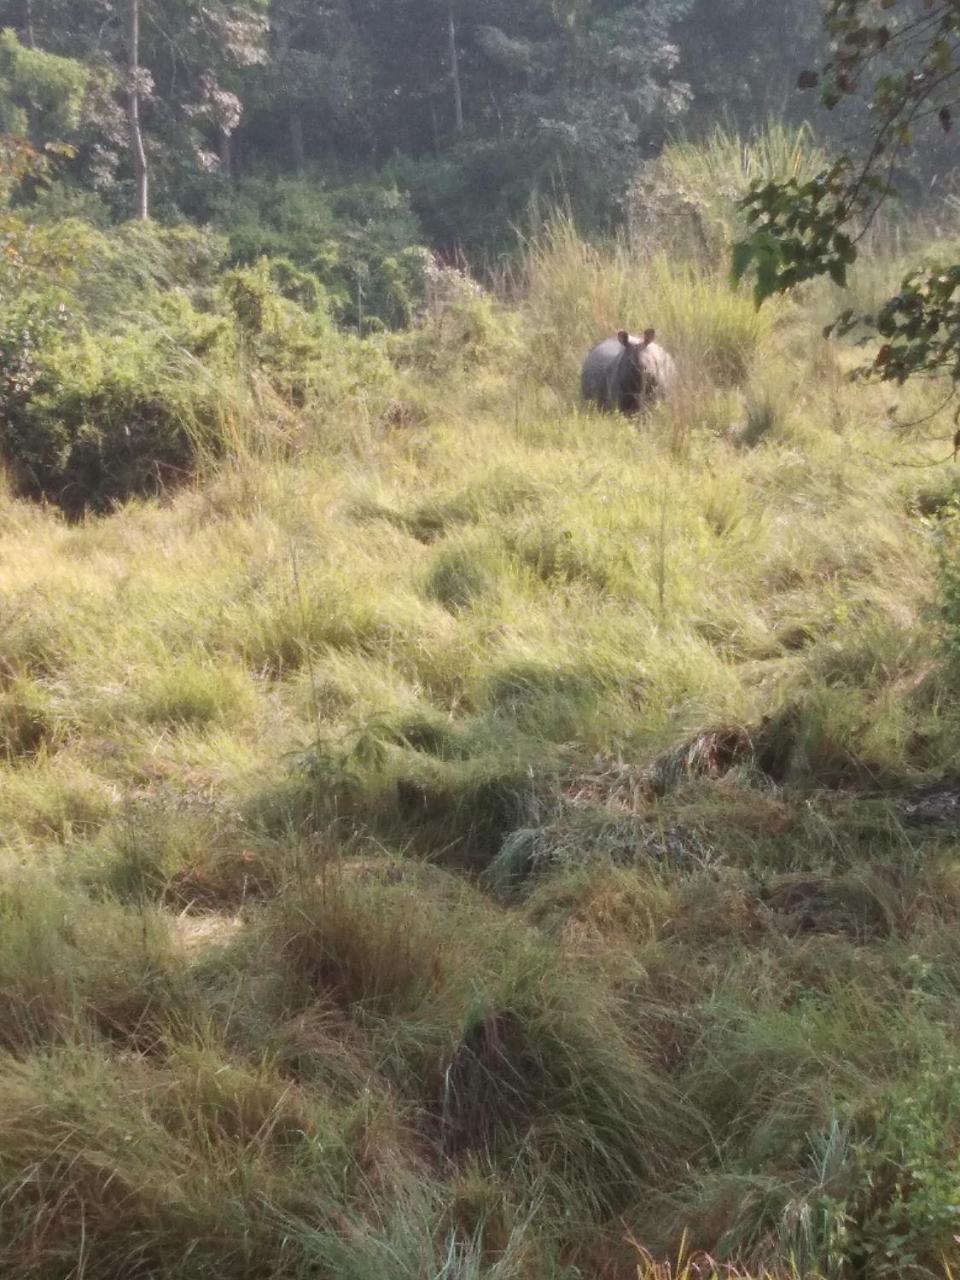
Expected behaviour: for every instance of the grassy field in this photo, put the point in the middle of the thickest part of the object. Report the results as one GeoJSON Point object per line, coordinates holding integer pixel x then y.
{"type": "Point", "coordinates": [462, 835]}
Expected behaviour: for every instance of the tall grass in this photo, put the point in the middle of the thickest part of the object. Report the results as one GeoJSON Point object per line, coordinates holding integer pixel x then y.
{"type": "Point", "coordinates": [487, 838]}
{"type": "Point", "coordinates": [685, 202]}
{"type": "Point", "coordinates": [578, 294]}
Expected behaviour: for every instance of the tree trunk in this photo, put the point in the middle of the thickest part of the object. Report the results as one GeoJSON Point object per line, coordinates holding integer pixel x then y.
{"type": "Point", "coordinates": [434, 125]}
{"type": "Point", "coordinates": [455, 70]}
{"type": "Point", "coordinates": [296, 140]}
{"type": "Point", "coordinates": [226, 153]}
{"type": "Point", "coordinates": [33, 115]}
{"type": "Point", "coordinates": [133, 110]}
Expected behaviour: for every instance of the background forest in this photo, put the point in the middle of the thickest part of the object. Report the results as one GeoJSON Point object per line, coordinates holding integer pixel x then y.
{"type": "Point", "coordinates": [442, 120]}
{"type": "Point", "coordinates": [447, 833]}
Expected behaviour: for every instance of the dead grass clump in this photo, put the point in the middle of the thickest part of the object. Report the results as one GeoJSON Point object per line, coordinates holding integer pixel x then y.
{"type": "Point", "coordinates": [711, 753]}
{"type": "Point", "coordinates": [226, 879]}
{"type": "Point", "coordinates": [861, 903]}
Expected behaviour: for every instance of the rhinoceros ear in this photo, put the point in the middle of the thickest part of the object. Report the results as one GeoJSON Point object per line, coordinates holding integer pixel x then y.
{"type": "Point", "coordinates": [623, 336]}
{"type": "Point", "coordinates": [649, 335]}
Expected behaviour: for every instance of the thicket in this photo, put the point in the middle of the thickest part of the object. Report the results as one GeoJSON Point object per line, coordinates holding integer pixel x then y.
{"type": "Point", "coordinates": [132, 356]}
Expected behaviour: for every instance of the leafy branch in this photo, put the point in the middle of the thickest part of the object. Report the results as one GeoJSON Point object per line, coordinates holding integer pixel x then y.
{"type": "Point", "coordinates": [904, 56]}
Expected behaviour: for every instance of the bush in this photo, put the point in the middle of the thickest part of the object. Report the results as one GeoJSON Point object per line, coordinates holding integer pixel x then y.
{"type": "Point", "coordinates": [107, 420]}
{"type": "Point", "coordinates": [107, 363]}
{"type": "Point", "coordinates": [102, 274]}
{"type": "Point", "coordinates": [903, 1214]}
{"type": "Point", "coordinates": [130, 358]}
{"type": "Point", "coordinates": [360, 241]}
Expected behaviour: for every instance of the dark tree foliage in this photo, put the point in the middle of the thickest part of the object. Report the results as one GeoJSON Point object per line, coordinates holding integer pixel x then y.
{"type": "Point", "coordinates": [903, 57]}
{"type": "Point", "coordinates": [187, 58]}
{"type": "Point", "coordinates": [476, 107]}
{"type": "Point", "coordinates": [742, 57]}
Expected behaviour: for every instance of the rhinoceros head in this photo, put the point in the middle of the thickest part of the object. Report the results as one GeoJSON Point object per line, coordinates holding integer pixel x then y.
{"type": "Point", "coordinates": [645, 370]}
{"type": "Point", "coordinates": [649, 335]}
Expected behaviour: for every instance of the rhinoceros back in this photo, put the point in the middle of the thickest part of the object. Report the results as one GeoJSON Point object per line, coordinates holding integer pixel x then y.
{"type": "Point", "coordinates": [599, 375]}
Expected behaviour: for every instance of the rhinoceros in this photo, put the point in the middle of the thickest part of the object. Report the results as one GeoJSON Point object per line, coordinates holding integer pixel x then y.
{"type": "Point", "coordinates": [628, 374]}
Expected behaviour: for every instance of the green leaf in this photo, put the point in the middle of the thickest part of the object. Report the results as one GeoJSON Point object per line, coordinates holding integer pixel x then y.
{"type": "Point", "coordinates": [743, 255]}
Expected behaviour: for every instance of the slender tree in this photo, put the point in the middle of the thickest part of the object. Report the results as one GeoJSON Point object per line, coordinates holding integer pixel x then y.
{"type": "Point", "coordinates": [454, 69]}
{"type": "Point", "coordinates": [137, 150]}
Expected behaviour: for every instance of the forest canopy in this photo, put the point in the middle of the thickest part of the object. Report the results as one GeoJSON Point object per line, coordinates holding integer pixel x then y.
{"type": "Point", "coordinates": [166, 104]}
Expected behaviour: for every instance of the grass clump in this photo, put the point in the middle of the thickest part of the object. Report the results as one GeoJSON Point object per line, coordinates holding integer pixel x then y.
{"type": "Point", "coordinates": [558, 554]}
{"type": "Point", "coordinates": [192, 858]}
{"type": "Point", "coordinates": [464, 574]}
{"type": "Point", "coordinates": [71, 966]}
{"type": "Point", "coordinates": [685, 201]}
{"type": "Point", "coordinates": [546, 701]}
{"type": "Point", "coordinates": [196, 694]}
{"type": "Point", "coordinates": [354, 945]}
{"type": "Point", "coordinates": [28, 721]}
{"type": "Point", "coordinates": [501, 492]}
{"type": "Point", "coordinates": [132, 1191]}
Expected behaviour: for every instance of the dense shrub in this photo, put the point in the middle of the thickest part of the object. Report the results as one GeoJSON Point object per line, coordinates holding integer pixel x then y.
{"type": "Point", "coordinates": [360, 241]}
{"type": "Point", "coordinates": [104, 420]}
{"type": "Point", "coordinates": [127, 355]}
{"type": "Point", "coordinates": [901, 1214]}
